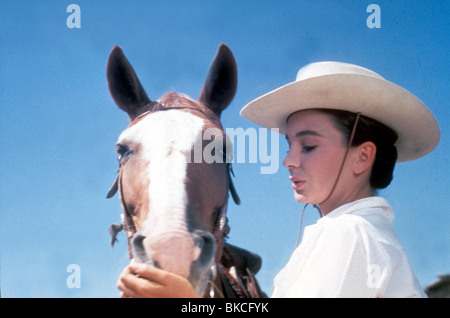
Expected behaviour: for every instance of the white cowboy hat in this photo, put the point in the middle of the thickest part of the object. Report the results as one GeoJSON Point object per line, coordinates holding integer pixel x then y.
{"type": "Point", "coordinates": [335, 85]}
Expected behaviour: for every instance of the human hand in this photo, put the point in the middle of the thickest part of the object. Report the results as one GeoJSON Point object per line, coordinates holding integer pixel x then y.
{"type": "Point", "coordinates": [140, 280]}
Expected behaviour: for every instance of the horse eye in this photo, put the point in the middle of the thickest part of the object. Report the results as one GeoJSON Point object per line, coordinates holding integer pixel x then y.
{"type": "Point", "coordinates": [123, 151]}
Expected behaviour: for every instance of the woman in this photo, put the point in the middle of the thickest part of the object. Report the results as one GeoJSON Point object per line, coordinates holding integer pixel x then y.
{"type": "Point", "coordinates": [346, 128]}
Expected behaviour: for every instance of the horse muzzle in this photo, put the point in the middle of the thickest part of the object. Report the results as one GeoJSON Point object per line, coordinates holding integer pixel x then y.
{"type": "Point", "coordinates": [190, 255]}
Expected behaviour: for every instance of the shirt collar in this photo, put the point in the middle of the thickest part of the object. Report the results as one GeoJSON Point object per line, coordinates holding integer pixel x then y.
{"type": "Point", "coordinates": [368, 203]}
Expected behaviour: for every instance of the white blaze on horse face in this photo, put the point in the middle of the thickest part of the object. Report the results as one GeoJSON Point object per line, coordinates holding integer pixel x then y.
{"type": "Point", "coordinates": [167, 139]}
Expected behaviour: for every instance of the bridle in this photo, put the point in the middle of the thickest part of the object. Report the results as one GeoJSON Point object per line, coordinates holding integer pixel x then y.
{"type": "Point", "coordinates": [221, 227]}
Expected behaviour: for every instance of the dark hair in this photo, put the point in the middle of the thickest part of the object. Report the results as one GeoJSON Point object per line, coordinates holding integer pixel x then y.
{"type": "Point", "coordinates": [369, 129]}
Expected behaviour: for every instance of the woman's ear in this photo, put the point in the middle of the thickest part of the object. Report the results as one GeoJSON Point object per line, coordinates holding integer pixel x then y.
{"type": "Point", "coordinates": [364, 157]}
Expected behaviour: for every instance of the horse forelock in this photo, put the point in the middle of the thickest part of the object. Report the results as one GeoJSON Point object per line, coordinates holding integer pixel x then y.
{"type": "Point", "coordinates": [171, 101]}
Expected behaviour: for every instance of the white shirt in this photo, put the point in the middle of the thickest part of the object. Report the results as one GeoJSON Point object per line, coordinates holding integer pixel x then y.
{"type": "Point", "coordinates": [351, 252]}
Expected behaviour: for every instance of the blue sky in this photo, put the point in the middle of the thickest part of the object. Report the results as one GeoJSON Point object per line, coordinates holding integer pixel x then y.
{"type": "Point", "coordinates": [58, 124]}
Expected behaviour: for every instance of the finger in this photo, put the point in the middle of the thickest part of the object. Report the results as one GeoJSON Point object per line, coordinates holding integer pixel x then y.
{"type": "Point", "coordinates": [126, 271]}
{"type": "Point", "coordinates": [130, 287]}
{"type": "Point", "coordinates": [150, 272]}
{"type": "Point", "coordinates": [124, 295]}
{"type": "Point", "coordinates": [128, 293]}
{"type": "Point", "coordinates": [148, 281]}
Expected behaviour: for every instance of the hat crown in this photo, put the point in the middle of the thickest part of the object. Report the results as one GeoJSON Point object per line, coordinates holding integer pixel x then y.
{"type": "Point", "coordinates": [332, 68]}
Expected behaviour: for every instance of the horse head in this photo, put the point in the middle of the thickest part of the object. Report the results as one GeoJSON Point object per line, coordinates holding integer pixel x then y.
{"type": "Point", "coordinates": [173, 198]}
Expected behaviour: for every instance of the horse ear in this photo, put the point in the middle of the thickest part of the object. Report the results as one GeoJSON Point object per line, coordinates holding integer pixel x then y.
{"type": "Point", "coordinates": [124, 86]}
{"type": "Point", "coordinates": [221, 82]}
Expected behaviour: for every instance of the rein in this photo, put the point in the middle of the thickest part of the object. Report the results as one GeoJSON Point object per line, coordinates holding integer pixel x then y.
{"type": "Point", "coordinates": [317, 206]}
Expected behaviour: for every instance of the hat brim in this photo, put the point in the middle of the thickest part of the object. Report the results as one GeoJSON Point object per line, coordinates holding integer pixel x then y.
{"type": "Point", "coordinates": [379, 99]}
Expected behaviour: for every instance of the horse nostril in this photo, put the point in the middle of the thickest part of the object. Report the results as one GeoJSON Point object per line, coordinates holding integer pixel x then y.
{"type": "Point", "coordinates": [139, 249]}
{"type": "Point", "coordinates": [205, 241]}
{"type": "Point", "coordinates": [201, 268]}
{"type": "Point", "coordinates": [137, 239]}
